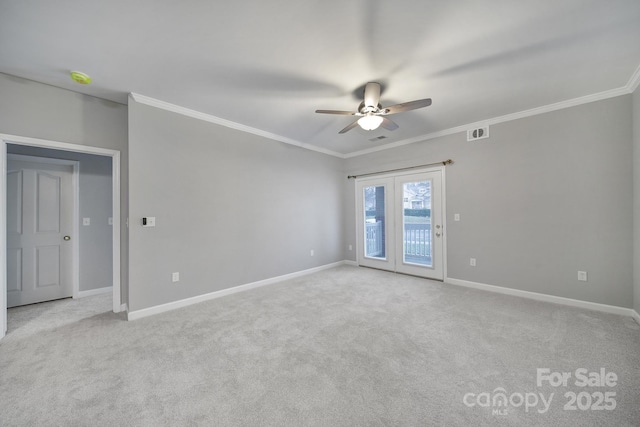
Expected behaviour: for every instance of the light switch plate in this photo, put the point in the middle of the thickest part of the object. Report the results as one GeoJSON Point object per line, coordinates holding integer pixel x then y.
{"type": "Point", "coordinates": [149, 221]}
{"type": "Point", "coordinates": [110, 221]}
{"type": "Point", "coordinates": [86, 221]}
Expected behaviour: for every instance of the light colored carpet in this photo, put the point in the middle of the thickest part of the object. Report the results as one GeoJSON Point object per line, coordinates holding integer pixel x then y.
{"type": "Point", "coordinates": [344, 347]}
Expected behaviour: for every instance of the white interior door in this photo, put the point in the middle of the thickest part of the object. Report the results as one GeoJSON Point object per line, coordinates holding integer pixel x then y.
{"type": "Point", "coordinates": [39, 231]}
{"type": "Point", "coordinates": [400, 223]}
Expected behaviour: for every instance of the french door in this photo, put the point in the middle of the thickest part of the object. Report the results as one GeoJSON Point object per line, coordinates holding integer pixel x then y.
{"type": "Point", "coordinates": [399, 224]}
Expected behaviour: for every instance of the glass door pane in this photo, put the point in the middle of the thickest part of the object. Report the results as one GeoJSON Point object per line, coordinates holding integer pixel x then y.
{"type": "Point", "coordinates": [374, 222]}
{"type": "Point", "coordinates": [416, 223]}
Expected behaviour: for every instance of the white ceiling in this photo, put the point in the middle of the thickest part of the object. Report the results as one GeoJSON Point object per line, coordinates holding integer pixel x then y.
{"type": "Point", "coordinates": [269, 65]}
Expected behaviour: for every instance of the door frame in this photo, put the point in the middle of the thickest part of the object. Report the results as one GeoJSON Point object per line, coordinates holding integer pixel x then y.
{"type": "Point", "coordinates": [442, 170]}
{"type": "Point", "coordinates": [75, 211]}
{"type": "Point", "coordinates": [115, 211]}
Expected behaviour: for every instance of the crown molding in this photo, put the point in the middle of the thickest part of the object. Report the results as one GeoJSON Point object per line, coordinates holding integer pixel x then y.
{"type": "Point", "coordinates": [625, 90]}
{"type": "Point", "coordinates": [630, 87]}
{"type": "Point", "coordinates": [633, 82]}
{"type": "Point", "coordinates": [152, 102]}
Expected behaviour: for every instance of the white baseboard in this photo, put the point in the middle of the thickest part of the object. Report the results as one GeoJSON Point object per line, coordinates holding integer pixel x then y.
{"type": "Point", "coordinates": [636, 316]}
{"type": "Point", "coordinates": [92, 292]}
{"type": "Point", "coordinates": [349, 262]}
{"type": "Point", "coordinates": [138, 314]}
{"type": "Point", "coordinates": [543, 297]}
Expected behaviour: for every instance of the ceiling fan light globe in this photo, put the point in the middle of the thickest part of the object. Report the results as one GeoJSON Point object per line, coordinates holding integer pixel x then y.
{"type": "Point", "coordinates": [370, 122]}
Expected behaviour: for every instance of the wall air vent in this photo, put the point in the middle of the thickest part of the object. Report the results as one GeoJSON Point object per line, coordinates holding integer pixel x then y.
{"type": "Point", "coordinates": [478, 133]}
{"type": "Point", "coordinates": [377, 138]}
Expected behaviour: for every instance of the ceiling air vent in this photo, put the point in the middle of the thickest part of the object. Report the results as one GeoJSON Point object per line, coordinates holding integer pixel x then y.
{"type": "Point", "coordinates": [377, 138]}
{"type": "Point", "coordinates": [478, 133]}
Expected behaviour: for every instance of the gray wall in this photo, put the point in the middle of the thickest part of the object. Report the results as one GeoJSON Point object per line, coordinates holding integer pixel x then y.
{"type": "Point", "coordinates": [231, 208]}
{"type": "Point", "coordinates": [95, 195]}
{"type": "Point", "coordinates": [36, 110]}
{"type": "Point", "coordinates": [636, 200]}
{"type": "Point", "coordinates": [542, 198]}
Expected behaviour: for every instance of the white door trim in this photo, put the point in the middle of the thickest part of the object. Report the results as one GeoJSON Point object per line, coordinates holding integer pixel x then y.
{"type": "Point", "coordinates": [115, 206]}
{"type": "Point", "coordinates": [75, 242]}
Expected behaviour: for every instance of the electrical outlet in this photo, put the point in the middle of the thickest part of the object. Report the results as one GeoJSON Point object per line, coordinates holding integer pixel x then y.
{"type": "Point", "coordinates": [86, 221]}
{"type": "Point", "coordinates": [456, 217]}
{"type": "Point", "coordinates": [582, 276]}
{"type": "Point", "coordinates": [175, 277]}
{"type": "Point", "coordinates": [472, 262]}
{"type": "Point", "coordinates": [350, 247]}
{"type": "Point", "coordinates": [110, 221]}
{"type": "Point", "coordinates": [311, 252]}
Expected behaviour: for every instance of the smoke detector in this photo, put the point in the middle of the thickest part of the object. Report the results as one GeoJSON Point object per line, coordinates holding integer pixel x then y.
{"type": "Point", "coordinates": [81, 78]}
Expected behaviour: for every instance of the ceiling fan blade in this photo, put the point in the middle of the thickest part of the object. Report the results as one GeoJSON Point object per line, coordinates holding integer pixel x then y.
{"type": "Point", "coordinates": [388, 124]}
{"type": "Point", "coordinates": [407, 106]}
{"type": "Point", "coordinates": [345, 113]}
{"type": "Point", "coordinates": [371, 94]}
{"type": "Point", "coordinates": [348, 128]}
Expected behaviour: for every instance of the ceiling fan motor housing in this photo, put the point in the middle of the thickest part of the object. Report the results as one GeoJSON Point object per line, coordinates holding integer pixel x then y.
{"type": "Point", "coordinates": [364, 109]}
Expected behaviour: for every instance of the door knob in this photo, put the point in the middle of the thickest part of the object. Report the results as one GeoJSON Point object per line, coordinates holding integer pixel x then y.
{"type": "Point", "coordinates": [437, 234]}
{"type": "Point", "coordinates": [67, 237]}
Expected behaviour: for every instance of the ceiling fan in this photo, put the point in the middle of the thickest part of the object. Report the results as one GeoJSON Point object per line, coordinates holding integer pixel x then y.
{"type": "Point", "coordinates": [371, 113]}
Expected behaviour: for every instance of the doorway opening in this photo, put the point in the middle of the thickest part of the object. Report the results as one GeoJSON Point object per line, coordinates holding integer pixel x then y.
{"type": "Point", "coordinates": [400, 222]}
{"type": "Point", "coordinates": [64, 150]}
{"type": "Point", "coordinates": [42, 232]}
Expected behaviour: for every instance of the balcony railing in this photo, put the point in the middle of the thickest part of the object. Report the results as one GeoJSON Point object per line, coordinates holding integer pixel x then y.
{"type": "Point", "coordinates": [374, 240]}
{"type": "Point", "coordinates": [416, 243]}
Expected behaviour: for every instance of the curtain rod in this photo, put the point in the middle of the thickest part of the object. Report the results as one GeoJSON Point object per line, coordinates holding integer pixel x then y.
{"type": "Point", "coordinates": [443, 163]}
